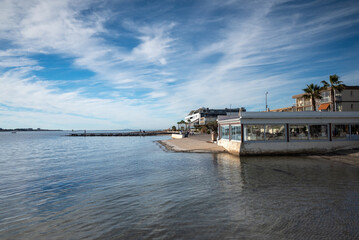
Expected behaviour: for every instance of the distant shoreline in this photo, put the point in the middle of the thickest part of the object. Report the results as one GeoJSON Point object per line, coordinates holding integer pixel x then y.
{"type": "Point", "coordinates": [28, 130]}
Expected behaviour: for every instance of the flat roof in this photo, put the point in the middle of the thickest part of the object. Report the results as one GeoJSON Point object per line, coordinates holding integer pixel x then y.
{"type": "Point", "coordinates": [297, 114]}
{"type": "Point", "coordinates": [291, 117]}
{"type": "Point", "coordinates": [298, 95]}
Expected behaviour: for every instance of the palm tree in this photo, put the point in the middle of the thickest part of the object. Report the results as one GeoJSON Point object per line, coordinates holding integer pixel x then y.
{"type": "Point", "coordinates": [312, 92]}
{"type": "Point", "coordinates": [181, 122]}
{"type": "Point", "coordinates": [334, 85]}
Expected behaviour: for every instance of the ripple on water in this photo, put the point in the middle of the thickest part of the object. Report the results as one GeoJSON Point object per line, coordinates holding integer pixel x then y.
{"type": "Point", "coordinates": [98, 188]}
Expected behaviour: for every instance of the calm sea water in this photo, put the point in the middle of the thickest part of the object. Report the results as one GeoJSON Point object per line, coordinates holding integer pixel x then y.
{"type": "Point", "coordinates": [57, 187]}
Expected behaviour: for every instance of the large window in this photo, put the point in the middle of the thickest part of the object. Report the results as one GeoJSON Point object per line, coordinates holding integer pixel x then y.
{"type": "Point", "coordinates": [325, 96]}
{"type": "Point", "coordinates": [354, 134]}
{"type": "Point", "coordinates": [254, 132]}
{"type": "Point", "coordinates": [300, 102]}
{"type": "Point", "coordinates": [339, 106]}
{"type": "Point", "coordinates": [275, 132]}
{"type": "Point", "coordinates": [225, 132]}
{"type": "Point", "coordinates": [298, 132]}
{"type": "Point", "coordinates": [236, 132]}
{"type": "Point", "coordinates": [340, 131]}
{"type": "Point", "coordinates": [318, 132]}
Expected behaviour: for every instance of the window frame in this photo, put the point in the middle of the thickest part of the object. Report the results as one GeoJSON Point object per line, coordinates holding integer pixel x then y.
{"type": "Point", "coordinates": [245, 133]}
{"type": "Point", "coordinates": [221, 132]}
{"type": "Point", "coordinates": [298, 140]}
{"type": "Point", "coordinates": [340, 139]}
{"type": "Point", "coordinates": [350, 132]}
{"type": "Point", "coordinates": [317, 124]}
{"type": "Point", "coordinates": [240, 132]}
{"type": "Point", "coordinates": [276, 140]}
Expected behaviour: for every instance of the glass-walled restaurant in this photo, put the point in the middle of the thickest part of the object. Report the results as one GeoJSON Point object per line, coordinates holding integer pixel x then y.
{"type": "Point", "coordinates": [289, 132]}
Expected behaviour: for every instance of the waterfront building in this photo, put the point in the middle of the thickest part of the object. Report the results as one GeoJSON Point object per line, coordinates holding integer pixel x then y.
{"type": "Point", "coordinates": [204, 115]}
{"type": "Point", "coordinates": [255, 133]}
{"type": "Point", "coordinates": [345, 101]}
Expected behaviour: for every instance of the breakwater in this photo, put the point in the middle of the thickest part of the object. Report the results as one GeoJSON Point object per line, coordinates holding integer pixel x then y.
{"type": "Point", "coordinates": [121, 134]}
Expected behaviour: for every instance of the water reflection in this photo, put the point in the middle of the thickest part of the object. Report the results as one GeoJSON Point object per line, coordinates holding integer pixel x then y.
{"type": "Point", "coordinates": [289, 169]}
{"type": "Point", "coordinates": [230, 173]}
{"type": "Point", "coordinates": [292, 197]}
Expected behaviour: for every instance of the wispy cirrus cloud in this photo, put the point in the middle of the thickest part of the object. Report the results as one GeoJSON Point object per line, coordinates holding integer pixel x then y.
{"type": "Point", "coordinates": [153, 63]}
{"type": "Point", "coordinates": [155, 43]}
{"type": "Point", "coordinates": [33, 95]}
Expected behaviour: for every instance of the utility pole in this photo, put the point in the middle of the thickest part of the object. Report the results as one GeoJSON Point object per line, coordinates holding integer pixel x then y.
{"type": "Point", "coordinates": [266, 93]}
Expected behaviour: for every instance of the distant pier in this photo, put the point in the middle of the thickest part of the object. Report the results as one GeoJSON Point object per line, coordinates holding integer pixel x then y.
{"type": "Point", "coordinates": [123, 134]}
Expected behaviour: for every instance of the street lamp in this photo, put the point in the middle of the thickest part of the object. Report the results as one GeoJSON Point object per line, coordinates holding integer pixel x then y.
{"type": "Point", "coordinates": [266, 93]}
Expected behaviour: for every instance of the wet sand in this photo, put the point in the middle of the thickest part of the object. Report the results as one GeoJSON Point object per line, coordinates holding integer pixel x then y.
{"type": "Point", "coordinates": [348, 156]}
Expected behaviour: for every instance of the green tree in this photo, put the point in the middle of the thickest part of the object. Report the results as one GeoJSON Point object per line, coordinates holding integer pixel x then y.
{"type": "Point", "coordinates": [188, 124]}
{"type": "Point", "coordinates": [181, 122]}
{"type": "Point", "coordinates": [312, 92]}
{"type": "Point", "coordinates": [174, 128]}
{"type": "Point", "coordinates": [334, 85]}
{"type": "Point", "coordinates": [213, 126]}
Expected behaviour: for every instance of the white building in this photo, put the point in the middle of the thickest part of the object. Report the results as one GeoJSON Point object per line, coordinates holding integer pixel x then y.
{"type": "Point", "coordinates": [203, 115]}
{"type": "Point", "coordinates": [253, 133]}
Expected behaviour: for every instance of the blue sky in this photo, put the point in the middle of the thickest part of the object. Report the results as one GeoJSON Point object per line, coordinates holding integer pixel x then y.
{"type": "Point", "coordinates": [146, 64]}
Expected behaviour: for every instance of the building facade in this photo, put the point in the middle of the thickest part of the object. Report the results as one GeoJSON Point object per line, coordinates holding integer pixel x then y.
{"type": "Point", "coordinates": [345, 101]}
{"type": "Point", "coordinates": [203, 115]}
{"type": "Point", "coordinates": [255, 133]}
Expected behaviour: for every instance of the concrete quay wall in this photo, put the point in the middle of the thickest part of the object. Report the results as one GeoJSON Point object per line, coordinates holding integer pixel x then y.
{"type": "Point", "coordinates": [283, 148]}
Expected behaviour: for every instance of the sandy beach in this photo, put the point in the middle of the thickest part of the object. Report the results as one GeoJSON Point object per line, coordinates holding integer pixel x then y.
{"type": "Point", "coordinates": [201, 143]}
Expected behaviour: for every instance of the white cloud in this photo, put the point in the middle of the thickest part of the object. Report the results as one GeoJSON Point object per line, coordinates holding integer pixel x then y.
{"type": "Point", "coordinates": [267, 46]}
{"type": "Point", "coordinates": [6, 62]}
{"type": "Point", "coordinates": [157, 94]}
{"type": "Point", "coordinates": [18, 91]}
{"type": "Point", "coordinates": [155, 43]}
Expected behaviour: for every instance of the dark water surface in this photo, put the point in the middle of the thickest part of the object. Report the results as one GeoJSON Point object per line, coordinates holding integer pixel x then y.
{"type": "Point", "coordinates": [56, 187]}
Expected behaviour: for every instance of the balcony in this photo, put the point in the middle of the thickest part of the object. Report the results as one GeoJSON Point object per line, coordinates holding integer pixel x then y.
{"type": "Point", "coordinates": [338, 98]}
{"type": "Point", "coordinates": [325, 100]}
